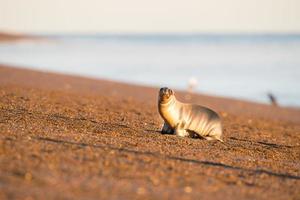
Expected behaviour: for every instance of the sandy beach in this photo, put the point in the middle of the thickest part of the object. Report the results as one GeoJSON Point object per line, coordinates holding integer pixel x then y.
{"type": "Point", "coordinates": [67, 137]}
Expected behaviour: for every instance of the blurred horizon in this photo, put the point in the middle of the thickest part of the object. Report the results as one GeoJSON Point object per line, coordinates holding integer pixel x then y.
{"type": "Point", "coordinates": [141, 16]}
{"type": "Point", "coordinates": [158, 33]}
{"type": "Point", "coordinates": [149, 34]}
{"type": "Point", "coordinates": [7, 31]}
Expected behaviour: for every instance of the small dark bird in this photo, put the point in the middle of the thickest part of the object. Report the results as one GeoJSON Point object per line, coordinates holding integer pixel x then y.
{"type": "Point", "coordinates": [272, 99]}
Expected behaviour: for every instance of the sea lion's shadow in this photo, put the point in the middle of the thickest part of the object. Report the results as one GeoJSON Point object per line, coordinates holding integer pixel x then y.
{"type": "Point", "coordinates": [192, 134]}
{"type": "Point", "coordinates": [272, 145]}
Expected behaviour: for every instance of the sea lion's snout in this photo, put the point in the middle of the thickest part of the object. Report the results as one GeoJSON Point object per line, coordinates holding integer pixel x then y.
{"type": "Point", "coordinates": [165, 93]}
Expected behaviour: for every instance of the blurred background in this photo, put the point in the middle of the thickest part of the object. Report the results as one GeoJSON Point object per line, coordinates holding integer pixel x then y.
{"type": "Point", "coordinates": [246, 49]}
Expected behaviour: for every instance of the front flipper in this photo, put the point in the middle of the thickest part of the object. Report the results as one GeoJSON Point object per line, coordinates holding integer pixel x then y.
{"type": "Point", "coordinates": [166, 129]}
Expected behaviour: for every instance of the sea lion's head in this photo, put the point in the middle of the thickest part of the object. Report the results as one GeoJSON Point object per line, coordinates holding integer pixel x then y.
{"type": "Point", "coordinates": [165, 95]}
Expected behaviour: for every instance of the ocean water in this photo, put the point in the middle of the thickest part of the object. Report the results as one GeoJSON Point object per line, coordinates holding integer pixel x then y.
{"type": "Point", "coordinates": [237, 66]}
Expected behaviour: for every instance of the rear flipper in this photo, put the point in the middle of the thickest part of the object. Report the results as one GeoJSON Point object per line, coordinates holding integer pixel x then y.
{"type": "Point", "coordinates": [214, 138]}
{"type": "Point", "coordinates": [215, 134]}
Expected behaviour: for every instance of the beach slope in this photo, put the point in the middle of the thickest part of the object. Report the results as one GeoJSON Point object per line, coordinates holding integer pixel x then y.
{"type": "Point", "coordinates": [67, 137]}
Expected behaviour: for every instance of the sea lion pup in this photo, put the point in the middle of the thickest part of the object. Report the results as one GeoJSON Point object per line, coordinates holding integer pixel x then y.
{"type": "Point", "coordinates": [187, 119]}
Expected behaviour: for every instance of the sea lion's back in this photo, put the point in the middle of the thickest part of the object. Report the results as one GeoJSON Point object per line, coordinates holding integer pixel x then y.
{"type": "Point", "coordinates": [204, 121]}
{"type": "Point", "coordinates": [205, 111]}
